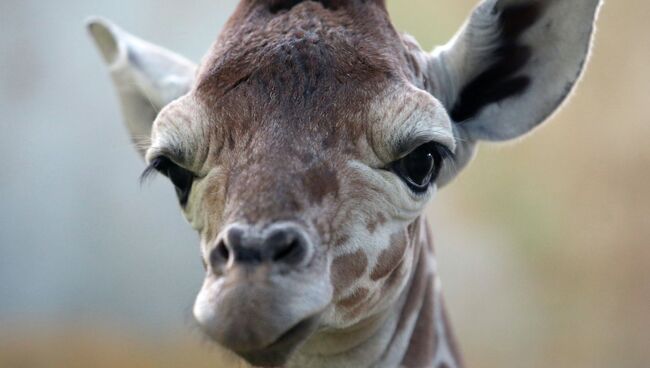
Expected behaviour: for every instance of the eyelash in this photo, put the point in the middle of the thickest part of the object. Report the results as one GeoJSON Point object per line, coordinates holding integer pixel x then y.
{"type": "Point", "coordinates": [182, 178]}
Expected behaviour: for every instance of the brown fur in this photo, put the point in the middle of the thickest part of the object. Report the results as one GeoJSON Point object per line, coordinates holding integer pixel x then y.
{"type": "Point", "coordinates": [347, 268]}
{"type": "Point", "coordinates": [378, 220]}
{"type": "Point", "coordinates": [390, 258]}
{"type": "Point", "coordinates": [341, 240]}
{"type": "Point", "coordinates": [393, 279]}
{"type": "Point", "coordinates": [320, 181]}
{"type": "Point", "coordinates": [354, 299]}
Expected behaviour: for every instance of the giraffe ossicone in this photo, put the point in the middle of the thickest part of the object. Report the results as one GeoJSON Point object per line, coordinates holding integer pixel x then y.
{"type": "Point", "coordinates": [304, 148]}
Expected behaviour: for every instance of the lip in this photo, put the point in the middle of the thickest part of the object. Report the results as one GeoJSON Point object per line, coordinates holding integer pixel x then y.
{"type": "Point", "coordinates": [278, 352]}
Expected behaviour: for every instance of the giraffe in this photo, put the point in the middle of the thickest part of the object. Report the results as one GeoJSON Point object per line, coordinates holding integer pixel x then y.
{"type": "Point", "coordinates": [305, 146]}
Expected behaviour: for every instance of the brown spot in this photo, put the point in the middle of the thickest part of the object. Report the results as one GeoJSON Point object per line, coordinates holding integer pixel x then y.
{"type": "Point", "coordinates": [346, 269]}
{"type": "Point", "coordinates": [341, 240]}
{"type": "Point", "coordinates": [355, 298]}
{"type": "Point", "coordinates": [394, 277]}
{"type": "Point", "coordinates": [320, 181]}
{"type": "Point", "coordinates": [379, 220]}
{"type": "Point", "coordinates": [389, 258]}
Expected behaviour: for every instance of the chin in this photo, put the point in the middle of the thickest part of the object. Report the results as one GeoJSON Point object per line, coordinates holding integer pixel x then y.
{"type": "Point", "coordinates": [280, 351]}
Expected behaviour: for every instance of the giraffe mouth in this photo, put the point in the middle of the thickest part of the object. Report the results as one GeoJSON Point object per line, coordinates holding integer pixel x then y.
{"type": "Point", "coordinates": [264, 320]}
{"type": "Point", "coordinates": [278, 352]}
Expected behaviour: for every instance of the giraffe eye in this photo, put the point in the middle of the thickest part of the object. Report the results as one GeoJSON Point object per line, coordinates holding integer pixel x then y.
{"type": "Point", "coordinates": [421, 167]}
{"type": "Point", "coordinates": [180, 177]}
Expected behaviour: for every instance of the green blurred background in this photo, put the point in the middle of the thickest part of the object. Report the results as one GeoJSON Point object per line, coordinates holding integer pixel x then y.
{"type": "Point", "coordinates": [544, 244]}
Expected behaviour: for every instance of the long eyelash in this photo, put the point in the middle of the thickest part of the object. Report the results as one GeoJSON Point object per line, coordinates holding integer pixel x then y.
{"type": "Point", "coordinates": [446, 158]}
{"type": "Point", "coordinates": [151, 170]}
{"type": "Point", "coordinates": [444, 152]}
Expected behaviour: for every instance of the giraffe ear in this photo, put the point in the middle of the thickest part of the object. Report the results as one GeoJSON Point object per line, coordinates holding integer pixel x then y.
{"type": "Point", "coordinates": [512, 64]}
{"type": "Point", "coordinates": [145, 76]}
{"type": "Point", "coordinates": [508, 69]}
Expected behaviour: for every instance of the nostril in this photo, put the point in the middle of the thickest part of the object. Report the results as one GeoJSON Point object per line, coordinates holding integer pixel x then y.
{"type": "Point", "coordinates": [289, 252]}
{"type": "Point", "coordinates": [286, 245]}
{"type": "Point", "coordinates": [223, 250]}
{"type": "Point", "coordinates": [245, 245]}
{"type": "Point", "coordinates": [220, 255]}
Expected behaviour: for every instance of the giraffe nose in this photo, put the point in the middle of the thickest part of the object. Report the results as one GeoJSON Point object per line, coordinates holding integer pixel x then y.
{"type": "Point", "coordinates": [284, 243]}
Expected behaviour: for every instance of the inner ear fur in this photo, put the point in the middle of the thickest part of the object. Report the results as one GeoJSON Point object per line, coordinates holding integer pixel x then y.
{"type": "Point", "coordinates": [512, 64]}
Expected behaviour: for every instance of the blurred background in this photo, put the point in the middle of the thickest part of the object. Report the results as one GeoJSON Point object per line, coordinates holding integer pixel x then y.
{"type": "Point", "coordinates": [544, 245]}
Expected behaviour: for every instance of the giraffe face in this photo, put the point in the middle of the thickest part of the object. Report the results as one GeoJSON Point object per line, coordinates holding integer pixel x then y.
{"type": "Point", "coordinates": [304, 219]}
{"type": "Point", "coordinates": [301, 183]}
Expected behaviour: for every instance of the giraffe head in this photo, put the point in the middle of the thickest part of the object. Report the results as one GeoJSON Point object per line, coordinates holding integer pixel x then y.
{"type": "Point", "coordinates": [305, 146]}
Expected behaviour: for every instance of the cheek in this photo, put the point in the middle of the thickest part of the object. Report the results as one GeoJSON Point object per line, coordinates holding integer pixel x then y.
{"type": "Point", "coordinates": [348, 269]}
{"type": "Point", "coordinates": [390, 273]}
{"type": "Point", "coordinates": [390, 258]}
{"type": "Point", "coordinates": [367, 281]}
{"type": "Point", "coordinates": [374, 191]}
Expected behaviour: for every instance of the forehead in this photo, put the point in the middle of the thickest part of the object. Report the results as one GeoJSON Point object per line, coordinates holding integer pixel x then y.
{"type": "Point", "coordinates": [307, 73]}
{"type": "Point", "coordinates": [357, 42]}
{"type": "Point", "coordinates": [300, 66]}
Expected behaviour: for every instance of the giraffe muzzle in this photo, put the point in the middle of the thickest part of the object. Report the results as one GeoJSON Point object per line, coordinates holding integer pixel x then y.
{"type": "Point", "coordinates": [264, 291]}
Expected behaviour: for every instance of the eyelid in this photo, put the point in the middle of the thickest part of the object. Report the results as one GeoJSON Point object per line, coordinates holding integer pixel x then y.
{"type": "Point", "coordinates": [154, 166]}
{"type": "Point", "coordinates": [407, 145]}
{"type": "Point", "coordinates": [444, 152]}
{"type": "Point", "coordinates": [149, 172]}
{"type": "Point", "coordinates": [406, 150]}
{"type": "Point", "coordinates": [173, 154]}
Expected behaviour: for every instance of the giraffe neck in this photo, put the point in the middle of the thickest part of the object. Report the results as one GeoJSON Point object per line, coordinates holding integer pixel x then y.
{"type": "Point", "coordinates": [431, 342]}
{"type": "Point", "coordinates": [413, 333]}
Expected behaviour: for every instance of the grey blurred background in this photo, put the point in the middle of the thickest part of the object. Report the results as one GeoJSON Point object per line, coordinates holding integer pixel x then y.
{"type": "Point", "coordinates": [543, 245]}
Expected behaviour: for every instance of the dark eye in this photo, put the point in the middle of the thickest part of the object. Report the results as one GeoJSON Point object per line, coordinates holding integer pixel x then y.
{"type": "Point", "coordinates": [421, 167]}
{"type": "Point", "coordinates": [180, 177]}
